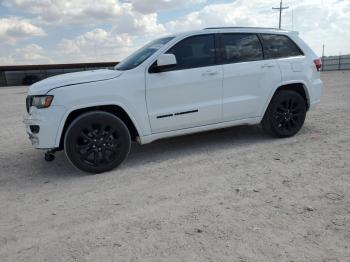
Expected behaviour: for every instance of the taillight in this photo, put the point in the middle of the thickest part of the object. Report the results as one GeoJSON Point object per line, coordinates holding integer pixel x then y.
{"type": "Point", "coordinates": [318, 63]}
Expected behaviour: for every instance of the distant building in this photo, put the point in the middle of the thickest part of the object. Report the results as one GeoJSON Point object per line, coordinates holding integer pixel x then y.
{"type": "Point", "coordinates": [29, 74]}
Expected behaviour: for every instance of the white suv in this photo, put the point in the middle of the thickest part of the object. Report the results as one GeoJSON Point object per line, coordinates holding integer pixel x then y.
{"type": "Point", "coordinates": [179, 84]}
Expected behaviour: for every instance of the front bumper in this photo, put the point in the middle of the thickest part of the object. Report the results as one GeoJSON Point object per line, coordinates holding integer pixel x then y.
{"type": "Point", "coordinates": [48, 120]}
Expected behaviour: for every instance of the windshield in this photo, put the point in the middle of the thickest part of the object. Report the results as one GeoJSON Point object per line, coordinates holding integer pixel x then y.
{"type": "Point", "coordinates": [142, 54]}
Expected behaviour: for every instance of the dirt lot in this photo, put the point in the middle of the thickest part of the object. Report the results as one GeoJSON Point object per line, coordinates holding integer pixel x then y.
{"type": "Point", "coordinates": [228, 195]}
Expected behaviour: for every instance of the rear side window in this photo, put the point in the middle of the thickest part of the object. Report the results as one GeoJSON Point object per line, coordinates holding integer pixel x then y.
{"type": "Point", "coordinates": [279, 46]}
{"type": "Point", "coordinates": [195, 51]}
{"type": "Point", "coordinates": [241, 48]}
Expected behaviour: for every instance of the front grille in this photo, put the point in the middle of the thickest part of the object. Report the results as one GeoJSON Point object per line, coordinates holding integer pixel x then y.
{"type": "Point", "coordinates": [29, 101]}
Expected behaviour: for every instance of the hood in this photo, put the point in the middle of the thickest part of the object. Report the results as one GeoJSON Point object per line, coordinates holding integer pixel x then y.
{"type": "Point", "coordinates": [44, 86]}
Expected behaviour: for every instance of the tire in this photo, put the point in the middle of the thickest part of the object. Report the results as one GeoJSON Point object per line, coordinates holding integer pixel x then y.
{"type": "Point", "coordinates": [285, 114]}
{"type": "Point", "coordinates": [97, 142]}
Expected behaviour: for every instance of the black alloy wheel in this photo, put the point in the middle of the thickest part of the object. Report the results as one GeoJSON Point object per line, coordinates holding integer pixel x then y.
{"type": "Point", "coordinates": [285, 115]}
{"type": "Point", "coordinates": [97, 142]}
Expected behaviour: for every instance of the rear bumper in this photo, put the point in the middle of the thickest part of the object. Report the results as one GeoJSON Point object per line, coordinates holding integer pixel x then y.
{"type": "Point", "coordinates": [47, 121]}
{"type": "Point", "coordinates": [316, 92]}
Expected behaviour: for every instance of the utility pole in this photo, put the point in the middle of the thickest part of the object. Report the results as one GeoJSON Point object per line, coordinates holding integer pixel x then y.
{"type": "Point", "coordinates": [322, 57]}
{"type": "Point", "coordinates": [323, 50]}
{"type": "Point", "coordinates": [280, 9]}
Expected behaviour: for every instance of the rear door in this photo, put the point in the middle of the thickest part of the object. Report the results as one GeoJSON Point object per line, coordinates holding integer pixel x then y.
{"type": "Point", "coordinates": [248, 78]}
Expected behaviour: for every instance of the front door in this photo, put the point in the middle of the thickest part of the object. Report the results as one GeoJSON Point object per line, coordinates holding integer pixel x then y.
{"type": "Point", "coordinates": [189, 94]}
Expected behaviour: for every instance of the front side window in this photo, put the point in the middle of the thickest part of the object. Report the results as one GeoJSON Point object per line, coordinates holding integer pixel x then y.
{"type": "Point", "coordinates": [279, 46]}
{"type": "Point", "coordinates": [194, 51]}
{"type": "Point", "coordinates": [142, 54]}
{"type": "Point", "coordinates": [241, 48]}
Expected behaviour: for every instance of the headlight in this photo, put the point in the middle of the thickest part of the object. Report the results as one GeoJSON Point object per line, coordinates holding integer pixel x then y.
{"type": "Point", "coordinates": [41, 101]}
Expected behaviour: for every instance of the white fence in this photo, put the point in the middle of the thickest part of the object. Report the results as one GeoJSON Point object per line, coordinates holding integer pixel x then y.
{"type": "Point", "coordinates": [331, 63]}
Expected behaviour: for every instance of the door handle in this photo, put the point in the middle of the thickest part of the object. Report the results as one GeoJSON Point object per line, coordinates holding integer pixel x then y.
{"type": "Point", "coordinates": [267, 66]}
{"type": "Point", "coordinates": [210, 73]}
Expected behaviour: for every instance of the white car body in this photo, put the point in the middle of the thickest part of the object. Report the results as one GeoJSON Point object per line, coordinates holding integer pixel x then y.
{"type": "Point", "coordinates": [179, 102]}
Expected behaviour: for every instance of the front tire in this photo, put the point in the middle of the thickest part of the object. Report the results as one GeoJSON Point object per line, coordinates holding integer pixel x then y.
{"type": "Point", "coordinates": [97, 142]}
{"type": "Point", "coordinates": [285, 114]}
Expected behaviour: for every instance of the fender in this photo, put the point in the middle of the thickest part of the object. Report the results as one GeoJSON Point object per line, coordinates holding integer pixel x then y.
{"type": "Point", "coordinates": [273, 91]}
{"type": "Point", "coordinates": [68, 112]}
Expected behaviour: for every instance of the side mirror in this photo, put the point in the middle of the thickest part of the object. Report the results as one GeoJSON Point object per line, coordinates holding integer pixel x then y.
{"type": "Point", "coordinates": [166, 61]}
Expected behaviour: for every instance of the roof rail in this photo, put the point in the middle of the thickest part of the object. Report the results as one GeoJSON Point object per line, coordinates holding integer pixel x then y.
{"type": "Point", "coordinates": [240, 27]}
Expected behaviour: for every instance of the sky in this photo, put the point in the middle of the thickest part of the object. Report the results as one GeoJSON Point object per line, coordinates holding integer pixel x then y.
{"type": "Point", "coordinates": [69, 31]}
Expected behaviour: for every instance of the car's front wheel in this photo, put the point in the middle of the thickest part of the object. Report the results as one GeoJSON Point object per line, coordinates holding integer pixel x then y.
{"type": "Point", "coordinates": [97, 142]}
{"type": "Point", "coordinates": [285, 115]}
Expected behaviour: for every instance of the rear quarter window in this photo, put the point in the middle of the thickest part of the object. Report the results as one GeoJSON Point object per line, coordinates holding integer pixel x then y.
{"type": "Point", "coordinates": [279, 46]}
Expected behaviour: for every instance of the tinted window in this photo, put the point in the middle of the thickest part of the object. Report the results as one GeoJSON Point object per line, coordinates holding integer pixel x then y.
{"type": "Point", "coordinates": [139, 56]}
{"type": "Point", "coordinates": [241, 48]}
{"type": "Point", "coordinates": [195, 51]}
{"type": "Point", "coordinates": [278, 46]}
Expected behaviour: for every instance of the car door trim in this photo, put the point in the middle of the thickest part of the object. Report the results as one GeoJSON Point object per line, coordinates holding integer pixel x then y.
{"type": "Point", "coordinates": [178, 114]}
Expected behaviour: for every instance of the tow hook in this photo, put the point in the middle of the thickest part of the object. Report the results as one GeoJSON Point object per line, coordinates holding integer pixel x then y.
{"type": "Point", "coordinates": [50, 155]}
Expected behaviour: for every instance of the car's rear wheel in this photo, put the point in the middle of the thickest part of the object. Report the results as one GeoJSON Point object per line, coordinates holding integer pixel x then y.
{"type": "Point", "coordinates": [97, 142]}
{"type": "Point", "coordinates": [285, 115]}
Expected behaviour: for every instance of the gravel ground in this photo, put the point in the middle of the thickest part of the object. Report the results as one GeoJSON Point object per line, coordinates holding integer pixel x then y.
{"type": "Point", "coordinates": [228, 195]}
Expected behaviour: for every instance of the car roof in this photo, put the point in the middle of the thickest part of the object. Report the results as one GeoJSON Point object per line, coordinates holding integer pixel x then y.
{"type": "Point", "coordinates": [237, 30]}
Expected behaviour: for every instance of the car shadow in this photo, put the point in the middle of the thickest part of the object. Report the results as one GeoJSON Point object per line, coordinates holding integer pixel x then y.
{"type": "Point", "coordinates": [31, 163]}
{"type": "Point", "coordinates": [212, 141]}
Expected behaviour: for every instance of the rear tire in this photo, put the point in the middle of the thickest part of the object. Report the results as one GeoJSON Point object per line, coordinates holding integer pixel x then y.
{"type": "Point", "coordinates": [97, 142]}
{"type": "Point", "coordinates": [285, 114]}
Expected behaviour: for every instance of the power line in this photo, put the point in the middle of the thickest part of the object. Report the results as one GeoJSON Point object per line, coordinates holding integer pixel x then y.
{"type": "Point", "coordinates": [281, 8]}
